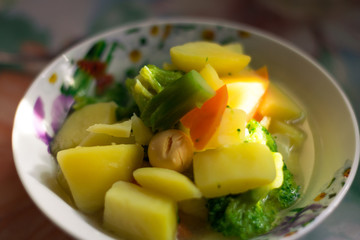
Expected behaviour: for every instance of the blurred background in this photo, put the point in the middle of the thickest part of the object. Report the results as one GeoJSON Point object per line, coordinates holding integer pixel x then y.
{"type": "Point", "coordinates": [33, 32]}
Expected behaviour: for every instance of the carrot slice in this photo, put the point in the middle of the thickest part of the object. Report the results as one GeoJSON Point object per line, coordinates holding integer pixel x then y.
{"type": "Point", "coordinates": [204, 121]}
{"type": "Point", "coordinates": [263, 72]}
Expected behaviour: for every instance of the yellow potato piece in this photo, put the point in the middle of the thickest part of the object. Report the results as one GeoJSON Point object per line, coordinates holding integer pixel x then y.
{"type": "Point", "coordinates": [278, 105]}
{"type": "Point", "coordinates": [211, 77]}
{"type": "Point", "coordinates": [235, 47]}
{"type": "Point", "coordinates": [296, 135]}
{"type": "Point", "coordinates": [234, 169]}
{"type": "Point", "coordinates": [141, 132]}
{"type": "Point", "coordinates": [167, 182]}
{"type": "Point", "coordinates": [194, 56]}
{"type": "Point", "coordinates": [122, 129]}
{"type": "Point", "coordinates": [261, 192]}
{"type": "Point", "coordinates": [102, 139]}
{"type": "Point", "coordinates": [231, 130]}
{"type": "Point", "coordinates": [278, 181]}
{"type": "Point", "coordinates": [245, 91]}
{"type": "Point", "coordinates": [137, 213]}
{"type": "Point", "coordinates": [90, 171]}
{"type": "Point", "coordinates": [73, 131]}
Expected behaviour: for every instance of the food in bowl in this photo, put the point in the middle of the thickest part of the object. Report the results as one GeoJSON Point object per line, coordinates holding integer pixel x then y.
{"type": "Point", "coordinates": [199, 141]}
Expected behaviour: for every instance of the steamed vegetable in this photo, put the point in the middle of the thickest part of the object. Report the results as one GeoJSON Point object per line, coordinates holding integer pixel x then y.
{"type": "Point", "coordinates": [278, 105]}
{"type": "Point", "coordinates": [122, 129]}
{"type": "Point", "coordinates": [194, 56]}
{"type": "Point", "coordinates": [211, 77]}
{"type": "Point", "coordinates": [90, 171]}
{"type": "Point", "coordinates": [258, 133]}
{"type": "Point", "coordinates": [233, 169]}
{"type": "Point", "coordinates": [254, 212]}
{"type": "Point", "coordinates": [141, 132]}
{"type": "Point", "coordinates": [231, 130]}
{"type": "Point", "coordinates": [295, 135]}
{"type": "Point", "coordinates": [204, 121]}
{"type": "Point", "coordinates": [167, 182]}
{"type": "Point", "coordinates": [73, 130]}
{"type": "Point", "coordinates": [244, 216]}
{"type": "Point", "coordinates": [137, 213]}
{"type": "Point", "coordinates": [246, 90]}
{"type": "Point", "coordinates": [235, 215]}
{"type": "Point", "coordinates": [150, 81]}
{"type": "Point", "coordinates": [179, 97]}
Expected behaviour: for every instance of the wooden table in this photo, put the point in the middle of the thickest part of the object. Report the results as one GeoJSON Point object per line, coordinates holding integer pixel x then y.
{"type": "Point", "coordinates": [19, 217]}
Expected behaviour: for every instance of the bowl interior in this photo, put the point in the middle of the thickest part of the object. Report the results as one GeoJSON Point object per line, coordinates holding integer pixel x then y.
{"type": "Point", "coordinates": [328, 165]}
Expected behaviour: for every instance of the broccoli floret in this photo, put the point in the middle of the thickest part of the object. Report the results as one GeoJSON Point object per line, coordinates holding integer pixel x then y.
{"type": "Point", "coordinates": [288, 193]}
{"type": "Point", "coordinates": [240, 216]}
{"type": "Point", "coordinates": [254, 212]}
{"type": "Point", "coordinates": [244, 216]}
{"type": "Point", "coordinates": [258, 133]}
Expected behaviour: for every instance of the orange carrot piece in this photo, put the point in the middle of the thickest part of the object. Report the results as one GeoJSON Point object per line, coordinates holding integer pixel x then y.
{"type": "Point", "coordinates": [204, 121]}
{"type": "Point", "coordinates": [263, 72]}
{"type": "Point", "coordinates": [188, 119]}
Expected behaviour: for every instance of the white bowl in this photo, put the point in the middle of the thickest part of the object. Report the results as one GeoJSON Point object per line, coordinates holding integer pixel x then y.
{"type": "Point", "coordinates": [332, 148]}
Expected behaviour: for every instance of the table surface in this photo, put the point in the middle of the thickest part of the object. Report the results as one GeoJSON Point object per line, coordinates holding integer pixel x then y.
{"type": "Point", "coordinates": [39, 29]}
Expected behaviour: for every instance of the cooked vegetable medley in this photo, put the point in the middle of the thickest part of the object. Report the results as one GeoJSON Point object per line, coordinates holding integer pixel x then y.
{"type": "Point", "coordinates": [195, 138]}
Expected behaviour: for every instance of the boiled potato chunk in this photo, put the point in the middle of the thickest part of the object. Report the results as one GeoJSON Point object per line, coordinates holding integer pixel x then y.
{"type": "Point", "coordinates": [73, 131]}
{"type": "Point", "coordinates": [137, 213]}
{"type": "Point", "coordinates": [234, 169]}
{"type": "Point", "coordinates": [231, 130]}
{"type": "Point", "coordinates": [194, 56]}
{"type": "Point", "coordinates": [296, 135]}
{"type": "Point", "coordinates": [211, 77]}
{"type": "Point", "coordinates": [102, 139]}
{"type": "Point", "coordinates": [235, 47]}
{"type": "Point", "coordinates": [279, 164]}
{"type": "Point", "coordinates": [141, 132]}
{"type": "Point", "coordinates": [278, 105]}
{"type": "Point", "coordinates": [167, 182]}
{"type": "Point", "coordinates": [262, 191]}
{"type": "Point", "coordinates": [122, 129]}
{"type": "Point", "coordinates": [90, 171]}
{"type": "Point", "coordinates": [245, 91]}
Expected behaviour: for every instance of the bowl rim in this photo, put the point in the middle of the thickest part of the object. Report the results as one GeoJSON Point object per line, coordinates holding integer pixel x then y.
{"type": "Point", "coordinates": [211, 22]}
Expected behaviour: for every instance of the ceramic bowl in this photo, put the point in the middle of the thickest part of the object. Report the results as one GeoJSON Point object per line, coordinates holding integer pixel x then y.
{"type": "Point", "coordinates": [332, 154]}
